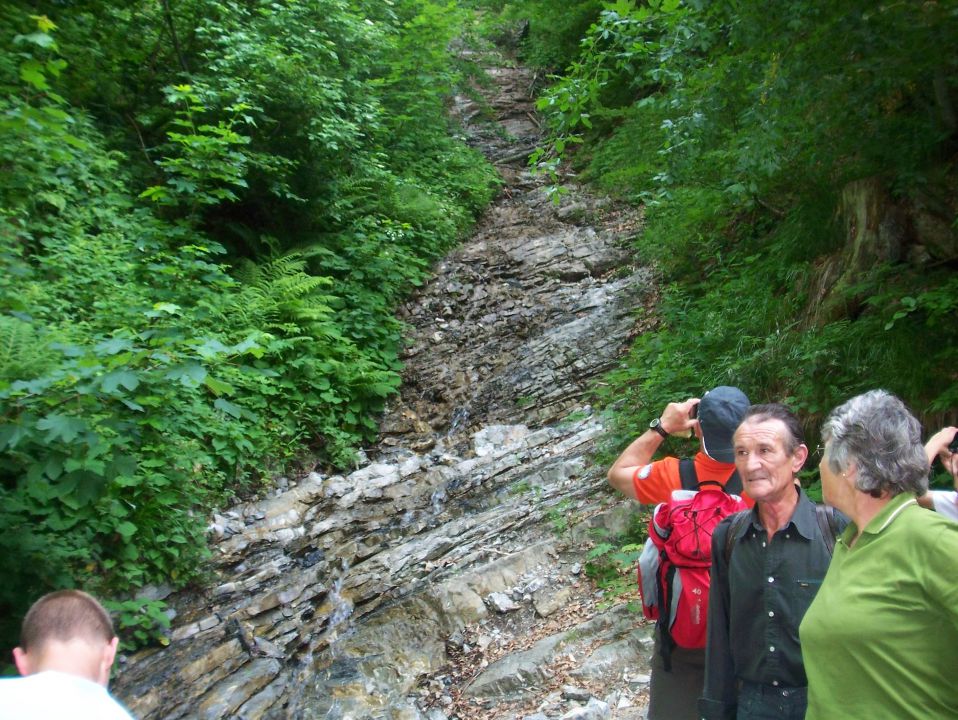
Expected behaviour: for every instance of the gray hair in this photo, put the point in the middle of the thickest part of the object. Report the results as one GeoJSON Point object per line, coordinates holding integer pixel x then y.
{"type": "Point", "coordinates": [877, 432]}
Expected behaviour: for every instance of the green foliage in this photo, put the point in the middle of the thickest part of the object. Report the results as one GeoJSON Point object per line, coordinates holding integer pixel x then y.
{"type": "Point", "coordinates": [558, 516]}
{"type": "Point", "coordinates": [739, 127]}
{"type": "Point", "coordinates": [198, 270]}
{"type": "Point", "coordinates": [612, 561]}
{"type": "Point", "coordinates": [142, 621]}
{"type": "Point", "coordinates": [553, 37]}
{"type": "Point", "coordinates": [207, 163]}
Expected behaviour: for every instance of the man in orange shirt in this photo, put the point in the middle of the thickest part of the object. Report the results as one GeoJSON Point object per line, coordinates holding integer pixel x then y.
{"type": "Point", "coordinates": [714, 419]}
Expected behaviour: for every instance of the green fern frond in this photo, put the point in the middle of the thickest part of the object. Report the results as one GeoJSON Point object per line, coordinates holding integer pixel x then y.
{"type": "Point", "coordinates": [22, 350]}
{"type": "Point", "coordinates": [280, 294]}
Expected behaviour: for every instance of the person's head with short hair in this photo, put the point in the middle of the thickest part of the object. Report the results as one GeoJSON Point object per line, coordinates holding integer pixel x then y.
{"type": "Point", "coordinates": [877, 435]}
{"type": "Point", "coordinates": [719, 413]}
{"type": "Point", "coordinates": [68, 631]}
{"type": "Point", "coordinates": [795, 435]}
{"type": "Point", "coordinates": [769, 451]}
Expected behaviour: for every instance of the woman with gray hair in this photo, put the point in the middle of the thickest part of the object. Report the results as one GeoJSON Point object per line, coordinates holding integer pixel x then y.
{"type": "Point", "coordinates": [880, 640]}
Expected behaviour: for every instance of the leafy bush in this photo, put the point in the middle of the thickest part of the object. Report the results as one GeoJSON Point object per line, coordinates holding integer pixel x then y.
{"type": "Point", "coordinates": [612, 560]}
{"type": "Point", "coordinates": [199, 271]}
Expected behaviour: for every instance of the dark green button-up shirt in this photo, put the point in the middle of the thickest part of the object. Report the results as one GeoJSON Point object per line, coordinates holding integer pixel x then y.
{"type": "Point", "coordinates": [756, 603]}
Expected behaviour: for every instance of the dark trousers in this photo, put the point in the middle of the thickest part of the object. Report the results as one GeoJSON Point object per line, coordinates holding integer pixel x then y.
{"type": "Point", "coordinates": [673, 695]}
{"type": "Point", "coordinates": [765, 702]}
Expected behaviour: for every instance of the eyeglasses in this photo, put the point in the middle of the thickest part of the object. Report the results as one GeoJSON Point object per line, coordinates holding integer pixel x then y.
{"type": "Point", "coordinates": [819, 451]}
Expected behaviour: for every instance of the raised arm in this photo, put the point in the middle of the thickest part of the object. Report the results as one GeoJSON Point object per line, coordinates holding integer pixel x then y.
{"type": "Point", "coordinates": [639, 453]}
{"type": "Point", "coordinates": [937, 446]}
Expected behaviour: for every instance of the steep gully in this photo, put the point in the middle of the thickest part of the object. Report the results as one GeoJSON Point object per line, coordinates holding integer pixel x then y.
{"type": "Point", "coordinates": [443, 578]}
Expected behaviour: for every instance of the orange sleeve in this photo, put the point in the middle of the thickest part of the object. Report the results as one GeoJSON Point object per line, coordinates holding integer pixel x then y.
{"type": "Point", "coordinates": [655, 482]}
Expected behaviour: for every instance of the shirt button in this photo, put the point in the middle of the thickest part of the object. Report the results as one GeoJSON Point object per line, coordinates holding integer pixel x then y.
{"type": "Point", "coordinates": [787, 536]}
{"type": "Point", "coordinates": [775, 683]}
{"type": "Point", "coordinates": [763, 543]}
{"type": "Point", "coordinates": [771, 648]}
{"type": "Point", "coordinates": [771, 579]}
{"type": "Point", "coordinates": [771, 613]}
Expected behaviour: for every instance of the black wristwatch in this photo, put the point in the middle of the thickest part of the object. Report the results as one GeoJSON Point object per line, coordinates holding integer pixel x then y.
{"type": "Point", "coordinates": [657, 426]}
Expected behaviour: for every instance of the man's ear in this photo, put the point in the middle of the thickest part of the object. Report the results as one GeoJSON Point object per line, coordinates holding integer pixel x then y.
{"type": "Point", "coordinates": [106, 661]}
{"type": "Point", "coordinates": [22, 660]}
{"type": "Point", "coordinates": [799, 457]}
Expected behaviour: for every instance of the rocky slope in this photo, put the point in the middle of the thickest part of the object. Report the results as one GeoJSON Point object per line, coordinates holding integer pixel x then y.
{"type": "Point", "coordinates": [443, 577]}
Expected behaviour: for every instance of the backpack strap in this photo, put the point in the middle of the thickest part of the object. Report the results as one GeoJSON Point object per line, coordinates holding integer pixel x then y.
{"type": "Point", "coordinates": [667, 643]}
{"type": "Point", "coordinates": [733, 486]}
{"type": "Point", "coordinates": [739, 520]}
{"type": "Point", "coordinates": [690, 480]}
{"type": "Point", "coordinates": [828, 523]}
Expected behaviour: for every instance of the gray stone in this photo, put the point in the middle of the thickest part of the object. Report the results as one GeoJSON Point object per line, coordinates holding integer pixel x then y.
{"type": "Point", "coordinates": [259, 704]}
{"type": "Point", "coordinates": [595, 710]}
{"type": "Point", "coordinates": [501, 602]}
{"type": "Point", "coordinates": [613, 659]}
{"type": "Point", "coordinates": [229, 695]}
{"type": "Point", "coordinates": [571, 692]}
{"type": "Point", "coordinates": [549, 600]}
{"type": "Point", "coordinates": [154, 592]}
{"type": "Point", "coordinates": [638, 679]}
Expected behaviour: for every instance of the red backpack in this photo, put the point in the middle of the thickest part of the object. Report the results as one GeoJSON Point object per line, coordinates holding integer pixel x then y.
{"type": "Point", "coordinates": [675, 563]}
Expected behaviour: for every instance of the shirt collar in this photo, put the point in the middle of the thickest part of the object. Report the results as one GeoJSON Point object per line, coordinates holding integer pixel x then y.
{"type": "Point", "coordinates": [803, 518]}
{"type": "Point", "coordinates": [887, 514]}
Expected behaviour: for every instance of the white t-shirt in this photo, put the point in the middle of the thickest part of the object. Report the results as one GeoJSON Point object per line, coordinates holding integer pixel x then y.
{"type": "Point", "coordinates": [53, 695]}
{"type": "Point", "coordinates": [946, 502]}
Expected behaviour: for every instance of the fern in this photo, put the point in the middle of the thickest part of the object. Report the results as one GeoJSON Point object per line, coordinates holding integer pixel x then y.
{"type": "Point", "coordinates": [280, 295]}
{"type": "Point", "coordinates": [23, 353]}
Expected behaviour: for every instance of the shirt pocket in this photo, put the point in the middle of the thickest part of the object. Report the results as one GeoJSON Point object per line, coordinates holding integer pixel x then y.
{"type": "Point", "coordinates": [805, 591]}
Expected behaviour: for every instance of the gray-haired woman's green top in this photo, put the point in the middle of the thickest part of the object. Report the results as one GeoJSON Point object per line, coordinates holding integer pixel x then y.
{"type": "Point", "coordinates": [880, 639]}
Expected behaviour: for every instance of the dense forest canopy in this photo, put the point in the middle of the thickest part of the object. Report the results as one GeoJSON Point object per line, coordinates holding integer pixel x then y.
{"type": "Point", "coordinates": [210, 209]}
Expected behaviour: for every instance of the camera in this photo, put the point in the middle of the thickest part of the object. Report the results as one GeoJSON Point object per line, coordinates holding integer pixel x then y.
{"type": "Point", "coordinates": [694, 413]}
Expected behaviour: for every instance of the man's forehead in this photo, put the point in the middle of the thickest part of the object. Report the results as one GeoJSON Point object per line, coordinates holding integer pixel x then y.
{"type": "Point", "coordinates": [766, 430]}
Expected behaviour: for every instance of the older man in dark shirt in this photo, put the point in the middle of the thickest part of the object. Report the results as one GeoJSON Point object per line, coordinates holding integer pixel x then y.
{"type": "Point", "coordinates": [764, 578]}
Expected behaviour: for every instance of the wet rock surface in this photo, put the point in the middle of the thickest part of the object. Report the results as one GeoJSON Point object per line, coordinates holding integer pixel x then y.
{"type": "Point", "coordinates": [444, 577]}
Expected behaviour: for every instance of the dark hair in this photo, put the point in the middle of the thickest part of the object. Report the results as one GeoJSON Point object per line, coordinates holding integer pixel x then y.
{"type": "Point", "coordinates": [878, 433]}
{"type": "Point", "coordinates": [64, 615]}
{"type": "Point", "coordinates": [778, 411]}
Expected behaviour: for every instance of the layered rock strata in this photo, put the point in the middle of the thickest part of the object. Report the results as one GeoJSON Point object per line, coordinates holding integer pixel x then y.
{"type": "Point", "coordinates": [341, 596]}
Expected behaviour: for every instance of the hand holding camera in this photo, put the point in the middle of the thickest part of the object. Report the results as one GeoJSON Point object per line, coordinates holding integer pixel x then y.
{"type": "Point", "coordinates": [678, 418]}
{"type": "Point", "coordinates": [944, 445]}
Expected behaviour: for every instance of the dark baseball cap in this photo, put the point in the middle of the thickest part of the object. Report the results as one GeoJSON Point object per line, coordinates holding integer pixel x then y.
{"type": "Point", "coordinates": [720, 412]}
